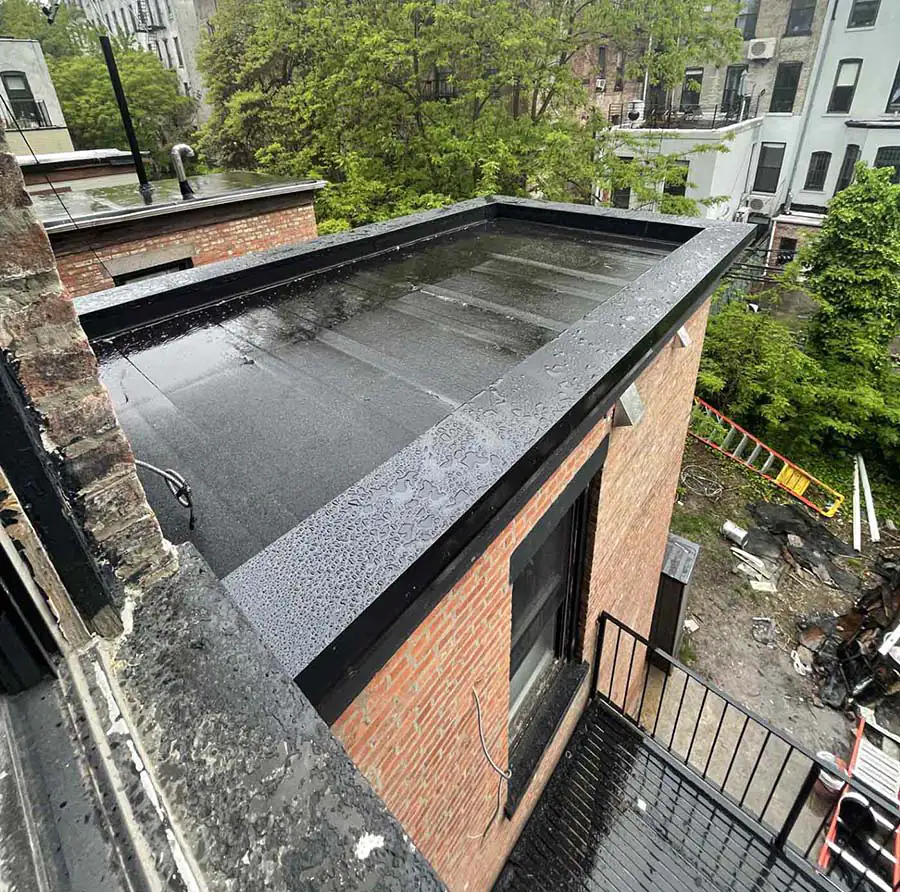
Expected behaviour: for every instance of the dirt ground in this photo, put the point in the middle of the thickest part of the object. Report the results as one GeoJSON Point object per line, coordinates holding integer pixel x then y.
{"type": "Point", "coordinates": [723, 649]}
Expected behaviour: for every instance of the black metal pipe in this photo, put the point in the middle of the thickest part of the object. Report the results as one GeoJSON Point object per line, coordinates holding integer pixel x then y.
{"type": "Point", "coordinates": [145, 187]}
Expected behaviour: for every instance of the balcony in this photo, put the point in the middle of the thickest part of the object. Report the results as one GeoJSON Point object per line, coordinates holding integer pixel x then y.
{"type": "Point", "coordinates": [668, 785]}
{"type": "Point", "coordinates": [27, 114]}
{"type": "Point", "coordinates": [684, 117]}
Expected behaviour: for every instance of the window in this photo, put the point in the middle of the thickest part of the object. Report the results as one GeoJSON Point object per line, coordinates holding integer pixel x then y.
{"type": "Point", "coordinates": [893, 105]}
{"type": "Point", "coordinates": [690, 90]}
{"type": "Point", "coordinates": [134, 26]}
{"type": "Point", "coordinates": [844, 86]}
{"type": "Point", "coordinates": [601, 61]}
{"type": "Point", "coordinates": [620, 72]}
{"type": "Point", "coordinates": [787, 248]}
{"type": "Point", "coordinates": [178, 51]}
{"type": "Point", "coordinates": [800, 18]}
{"type": "Point", "coordinates": [168, 61]}
{"type": "Point", "coordinates": [848, 168]}
{"type": "Point", "coordinates": [768, 171]}
{"type": "Point", "coordinates": [746, 21]}
{"type": "Point", "coordinates": [818, 171]}
{"type": "Point", "coordinates": [676, 184]}
{"type": "Point", "coordinates": [26, 112]}
{"type": "Point", "coordinates": [863, 13]}
{"type": "Point", "coordinates": [159, 16]}
{"type": "Point", "coordinates": [735, 80]}
{"type": "Point", "coordinates": [785, 90]}
{"type": "Point", "coordinates": [889, 156]}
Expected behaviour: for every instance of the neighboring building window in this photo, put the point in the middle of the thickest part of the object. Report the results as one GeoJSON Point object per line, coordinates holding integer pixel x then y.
{"type": "Point", "coordinates": [620, 72]}
{"type": "Point", "coordinates": [848, 168]}
{"type": "Point", "coordinates": [178, 52]}
{"type": "Point", "coordinates": [677, 185]}
{"type": "Point", "coordinates": [893, 105]}
{"type": "Point", "coordinates": [844, 86]}
{"type": "Point", "coordinates": [26, 112]}
{"type": "Point", "coordinates": [168, 52]}
{"type": "Point", "coordinates": [746, 21]}
{"type": "Point", "coordinates": [134, 26]}
{"type": "Point", "coordinates": [768, 171]}
{"type": "Point", "coordinates": [818, 171]}
{"type": "Point", "coordinates": [863, 13]}
{"type": "Point", "coordinates": [889, 156]}
{"type": "Point", "coordinates": [690, 90]}
{"type": "Point", "coordinates": [732, 96]}
{"type": "Point", "coordinates": [159, 16]}
{"type": "Point", "coordinates": [621, 198]}
{"type": "Point", "coordinates": [800, 18]}
{"type": "Point", "coordinates": [784, 92]}
{"type": "Point", "coordinates": [787, 248]}
{"type": "Point", "coordinates": [601, 61]}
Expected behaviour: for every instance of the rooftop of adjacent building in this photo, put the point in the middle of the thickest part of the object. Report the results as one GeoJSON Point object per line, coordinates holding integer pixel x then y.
{"type": "Point", "coordinates": [63, 210]}
{"type": "Point", "coordinates": [77, 158]}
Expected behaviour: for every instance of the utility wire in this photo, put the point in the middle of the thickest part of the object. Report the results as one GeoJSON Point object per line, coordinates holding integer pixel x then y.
{"type": "Point", "coordinates": [503, 775]}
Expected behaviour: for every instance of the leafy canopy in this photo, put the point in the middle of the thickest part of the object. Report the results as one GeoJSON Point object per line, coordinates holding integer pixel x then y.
{"type": "Point", "coordinates": [409, 104]}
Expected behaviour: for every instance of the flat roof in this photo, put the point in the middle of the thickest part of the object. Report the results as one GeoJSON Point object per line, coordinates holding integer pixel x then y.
{"type": "Point", "coordinates": [108, 205]}
{"type": "Point", "coordinates": [358, 402]}
{"type": "Point", "coordinates": [77, 158]}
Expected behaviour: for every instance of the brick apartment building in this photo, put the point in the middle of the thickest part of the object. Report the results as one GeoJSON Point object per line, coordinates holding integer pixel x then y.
{"type": "Point", "coordinates": [430, 462]}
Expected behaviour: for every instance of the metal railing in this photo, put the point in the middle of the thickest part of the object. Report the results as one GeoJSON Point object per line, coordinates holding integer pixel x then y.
{"type": "Point", "coordinates": [757, 269]}
{"type": "Point", "coordinates": [754, 771]}
{"type": "Point", "coordinates": [686, 116]}
{"type": "Point", "coordinates": [27, 114]}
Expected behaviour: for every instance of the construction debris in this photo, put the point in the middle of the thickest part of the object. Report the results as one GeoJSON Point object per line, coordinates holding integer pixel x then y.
{"type": "Point", "coordinates": [691, 625]}
{"type": "Point", "coordinates": [874, 533]}
{"type": "Point", "coordinates": [764, 630]}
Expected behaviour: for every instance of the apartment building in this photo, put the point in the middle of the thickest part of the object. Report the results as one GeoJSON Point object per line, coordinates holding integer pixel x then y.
{"type": "Point", "coordinates": [169, 28]}
{"type": "Point", "coordinates": [29, 107]}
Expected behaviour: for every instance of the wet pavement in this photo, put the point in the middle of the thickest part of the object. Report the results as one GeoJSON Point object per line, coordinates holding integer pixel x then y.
{"type": "Point", "coordinates": [275, 403]}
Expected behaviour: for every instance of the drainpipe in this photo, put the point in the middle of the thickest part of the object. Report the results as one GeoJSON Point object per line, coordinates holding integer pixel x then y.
{"type": "Point", "coordinates": [812, 89]}
{"type": "Point", "coordinates": [179, 152]}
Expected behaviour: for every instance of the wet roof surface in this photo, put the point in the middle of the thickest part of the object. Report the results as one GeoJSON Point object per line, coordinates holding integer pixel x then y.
{"type": "Point", "coordinates": [272, 408]}
{"type": "Point", "coordinates": [83, 203]}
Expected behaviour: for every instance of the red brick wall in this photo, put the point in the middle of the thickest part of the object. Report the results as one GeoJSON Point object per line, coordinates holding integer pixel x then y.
{"type": "Point", "coordinates": [83, 273]}
{"type": "Point", "coordinates": [413, 730]}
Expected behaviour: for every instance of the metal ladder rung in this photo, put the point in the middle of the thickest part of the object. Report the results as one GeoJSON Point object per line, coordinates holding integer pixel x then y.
{"type": "Point", "coordinates": [753, 455]}
{"type": "Point", "coordinates": [741, 447]}
{"type": "Point", "coordinates": [768, 463]}
{"type": "Point", "coordinates": [727, 441]}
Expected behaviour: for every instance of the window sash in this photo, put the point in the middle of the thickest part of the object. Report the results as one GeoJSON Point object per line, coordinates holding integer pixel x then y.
{"type": "Point", "coordinates": [784, 91]}
{"type": "Point", "coordinates": [768, 170]}
{"type": "Point", "coordinates": [844, 89]}
{"type": "Point", "coordinates": [893, 104]}
{"type": "Point", "coordinates": [817, 172]}
{"type": "Point", "coordinates": [889, 156]}
{"type": "Point", "coordinates": [848, 167]}
{"type": "Point", "coordinates": [863, 13]}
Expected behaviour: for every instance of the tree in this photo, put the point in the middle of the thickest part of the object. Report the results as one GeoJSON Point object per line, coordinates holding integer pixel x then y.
{"type": "Point", "coordinates": [69, 35]}
{"type": "Point", "coordinates": [161, 115]}
{"type": "Point", "coordinates": [409, 104]}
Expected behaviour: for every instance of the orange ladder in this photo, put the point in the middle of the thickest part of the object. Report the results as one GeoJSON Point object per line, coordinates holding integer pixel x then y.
{"type": "Point", "coordinates": [717, 430]}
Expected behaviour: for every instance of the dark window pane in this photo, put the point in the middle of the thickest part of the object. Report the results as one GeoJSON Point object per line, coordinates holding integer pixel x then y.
{"type": "Point", "coordinates": [894, 99]}
{"type": "Point", "coordinates": [785, 90]}
{"type": "Point", "coordinates": [848, 166]}
{"type": "Point", "coordinates": [844, 86]}
{"type": "Point", "coordinates": [863, 13]}
{"type": "Point", "coordinates": [768, 170]}
{"type": "Point", "coordinates": [787, 248]}
{"type": "Point", "coordinates": [601, 61]}
{"type": "Point", "coordinates": [734, 83]}
{"type": "Point", "coordinates": [677, 184]}
{"type": "Point", "coordinates": [889, 156]}
{"type": "Point", "coordinates": [690, 90]}
{"type": "Point", "coordinates": [746, 21]}
{"type": "Point", "coordinates": [800, 18]}
{"type": "Point", "coordinates": [818, 171]}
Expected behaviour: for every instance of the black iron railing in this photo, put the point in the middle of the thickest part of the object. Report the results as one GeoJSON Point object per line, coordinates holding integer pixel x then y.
{"type": "Point", "coordinates": [25, 114]}
{"type": "Point", "coordinates": [759, 268]}
{"type": "Point", "coordinates": [686, 116]}
{"type": "Point", "coordinates": [755, 771]}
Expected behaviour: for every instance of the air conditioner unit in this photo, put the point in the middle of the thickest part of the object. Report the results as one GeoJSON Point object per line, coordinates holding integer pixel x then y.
{"type": "Point", "coordinates": [762, 204]}
{"type": "Point", "coordinates": [741, 215]}
{"type": "Point", "coordinates": [600, 85]}
{"type": "Point", "coordinates": [760, 50]}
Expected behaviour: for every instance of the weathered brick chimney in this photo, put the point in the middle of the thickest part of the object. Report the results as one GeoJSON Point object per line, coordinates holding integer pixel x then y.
{"type": "Point", "coordinates": [51, 390]}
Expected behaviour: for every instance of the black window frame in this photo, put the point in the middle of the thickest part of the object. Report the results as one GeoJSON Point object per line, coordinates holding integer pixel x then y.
{"type": "Point", "coordinates": [692, 95]}
{"type": "Point", "coordinates": [760, 169]}
{"type": "Point", "coordinates": [732, 98]}
{"type": "Point", "coordinates": [747, 19]}
{"type": "Point", "coordinates": [851, 24]}
{"type": "Point", "coordinates": [880, 161]}
{"type": "Point", "coordinates": [893, 103]}
{"type": "Point", "coordinates": [817, 172]}
{"type": "Point", "coordinates": [784, 94]}
{"type": "Point", "coordinates": [800, 18]}
{"type": "Point", "coordinates": [852, 154]}
{"type": "Point", "coordinates": [835, 108]}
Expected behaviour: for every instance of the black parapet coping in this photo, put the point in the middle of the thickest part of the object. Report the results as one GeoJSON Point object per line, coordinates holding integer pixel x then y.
{"type": "Point", "coordinates": [335, 589]}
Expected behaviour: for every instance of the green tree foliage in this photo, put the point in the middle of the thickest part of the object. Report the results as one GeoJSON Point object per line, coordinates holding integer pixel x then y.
{"type": "Point", "coordinates": [832, 387]}
{"type": "Point", "coordinates": [69, 35]}
{"type": "Point", "coordinates": [161, 115]}
{"type": "Point", "coordinates": [403, 105]}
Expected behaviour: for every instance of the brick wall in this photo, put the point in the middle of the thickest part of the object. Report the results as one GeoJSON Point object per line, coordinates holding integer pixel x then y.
{"type": "Point", "coordinates": [45, 351]}
{"type": "Point", "coordinates": [82, 272]}
{"type": "Point", "coordinates": [413, 730]}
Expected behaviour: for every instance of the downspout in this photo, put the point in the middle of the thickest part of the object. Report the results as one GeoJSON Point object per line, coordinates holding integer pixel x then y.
{"type": "Point", "coordinates": [813, 87]}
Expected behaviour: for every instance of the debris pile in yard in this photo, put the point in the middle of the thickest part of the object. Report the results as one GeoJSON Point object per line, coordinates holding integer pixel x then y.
{"type": "Point", "coordinates": [857, 655]}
